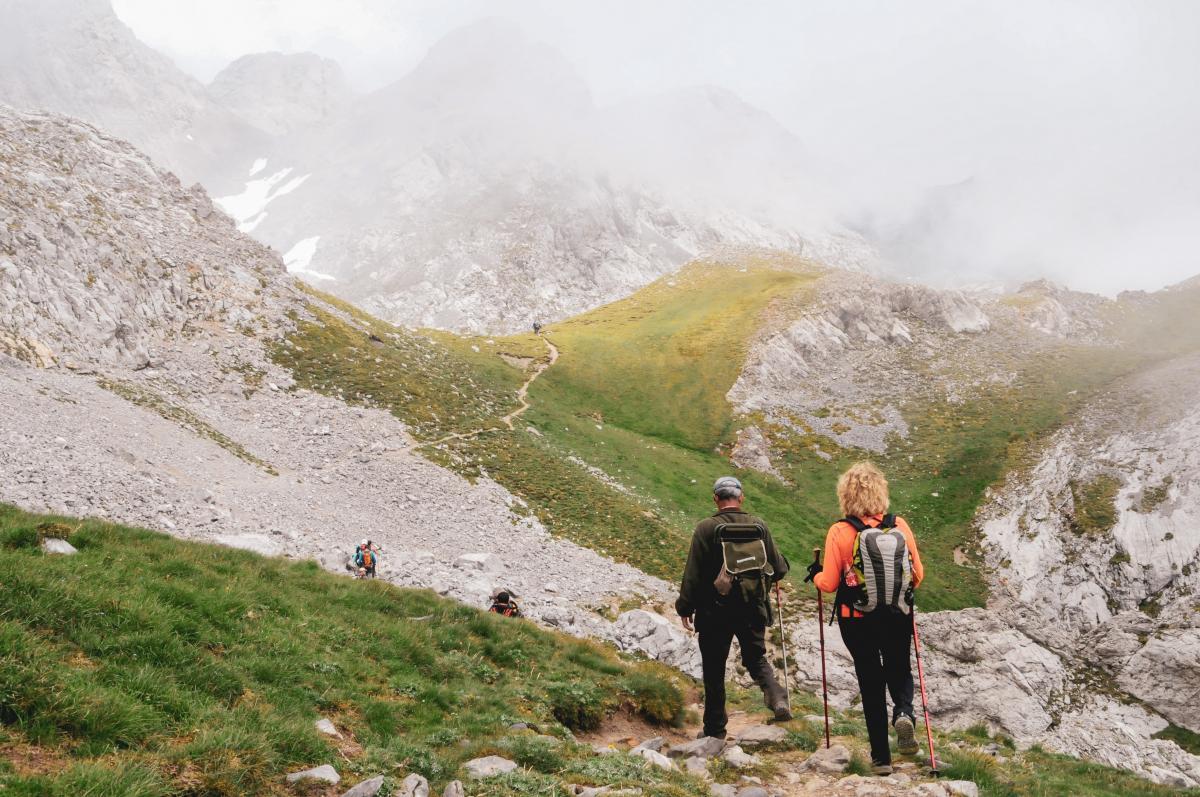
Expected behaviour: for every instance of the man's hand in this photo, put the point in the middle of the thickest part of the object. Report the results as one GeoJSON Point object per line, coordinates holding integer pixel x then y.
{"type": "Point", "coordinates": [686, 622]}
{"type": "Point", "coordinates": [813, 569]}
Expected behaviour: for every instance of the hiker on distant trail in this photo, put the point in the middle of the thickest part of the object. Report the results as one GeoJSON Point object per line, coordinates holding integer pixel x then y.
{"type": "Point", "coordinates": [366, 559]}
{"type": "Point", "coordinates": [503, 604]}
{"type": "Point", "coordinates": [872, 563]}
{"type": "Point", "coordinates": [726, 593]}
{"type": "Point", "coordinates": [537, 328]}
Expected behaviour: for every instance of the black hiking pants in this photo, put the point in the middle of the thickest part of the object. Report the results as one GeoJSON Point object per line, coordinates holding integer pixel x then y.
{"type": "Point", "coordinates": [716, 636]}
{"type": "Point", "coordinates": [880, 643]}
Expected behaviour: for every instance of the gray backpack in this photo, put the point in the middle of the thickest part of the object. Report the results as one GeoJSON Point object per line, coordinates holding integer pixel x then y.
{"type": "Point", "coordinates": [880, 574]}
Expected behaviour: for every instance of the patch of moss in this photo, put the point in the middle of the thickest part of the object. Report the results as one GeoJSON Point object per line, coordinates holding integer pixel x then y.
{"type": "Point", "coordinates": [1095, 505]}
{"type": "Point", "coordinates": [1154, 497]}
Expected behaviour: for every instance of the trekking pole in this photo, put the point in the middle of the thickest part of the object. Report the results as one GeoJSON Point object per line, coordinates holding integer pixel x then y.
{"type": "Point", "coordinates": [821, 629]}
{"type": "Point", "coordinates": [787, 684]}
{"type": "Point", "coordinates": [924, 702]}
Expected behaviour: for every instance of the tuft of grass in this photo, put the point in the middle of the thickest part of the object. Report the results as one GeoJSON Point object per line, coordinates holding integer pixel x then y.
{"type": "Point", "coordinates": [1095, 510]}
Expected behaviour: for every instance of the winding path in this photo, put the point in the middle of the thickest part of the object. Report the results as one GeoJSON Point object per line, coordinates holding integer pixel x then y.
{"type": "Point", "coordinates": [522, 396]}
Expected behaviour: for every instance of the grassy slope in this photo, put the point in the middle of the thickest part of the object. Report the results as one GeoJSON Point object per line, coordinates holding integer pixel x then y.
{"type": "Point", "coordinates": [149, 666]}
{"type": "Point", "coordinates": [639, 392]}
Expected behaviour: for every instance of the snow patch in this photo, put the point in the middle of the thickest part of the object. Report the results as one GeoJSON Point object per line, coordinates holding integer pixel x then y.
{"type": "Point", "coordinates": [258, 194]}
{"type": "Point", "coordinates": [248, 226]}
{"type": "Point", "coordinates": [259, 165]}
{"type": "Point", "coordinates": [299, 256]}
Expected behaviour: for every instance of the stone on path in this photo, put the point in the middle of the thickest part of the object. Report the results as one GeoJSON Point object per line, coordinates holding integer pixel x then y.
{"type": "Point", "coordinates": [326, 726]}
{"type": "Point", "coordinates": [57, 546]}
{"type": "Point", "coordinates": [653, 756]}
{"type": "Point", "coordinates": [454, 789]}
{"type": "Point", "coordinates": [487, 562]}
{"type": "Point", "coordinates": [722, 790]}
{"type": "Point", "coordinates": [696, 766]}
{"type": "Point", "coordinates": [757, 735]}
{"type": "Point", "coordinates": [368, 788]}
{"type": "Point", "coordinates": [962, 788]}
{"type": "Point", "coordinates": [829, 761]}
{"type": "Point", "coordinates": [656, 744]}
{"type": "Point", "coordinates": [737, 757]}
{"type": "Point", "coordinates": [753, 791]}
{"type": "Point", "coordinates": [705, 747]}
{"type": "Point", "coordinates": [487, 766]}
{"type": "Point", "coordinates": [324, 772]}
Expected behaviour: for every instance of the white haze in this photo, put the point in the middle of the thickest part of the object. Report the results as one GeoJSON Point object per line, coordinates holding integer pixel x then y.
{"type": "Point", "coordinates": [1065, 131]}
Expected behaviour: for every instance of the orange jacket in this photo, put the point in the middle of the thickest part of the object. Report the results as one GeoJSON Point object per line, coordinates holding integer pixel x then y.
{"type": "Point", "coordinates": [839, 550]}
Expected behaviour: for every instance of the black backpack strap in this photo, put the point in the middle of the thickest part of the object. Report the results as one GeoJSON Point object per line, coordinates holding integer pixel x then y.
{"type": "Point", "coordinates": [888, 522]}
{"type": "Point", "coordinates": [856, 523]}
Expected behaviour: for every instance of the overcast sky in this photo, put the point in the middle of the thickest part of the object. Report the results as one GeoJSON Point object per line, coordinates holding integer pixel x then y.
{"type": "Point", "coordinates": [1079, 120]}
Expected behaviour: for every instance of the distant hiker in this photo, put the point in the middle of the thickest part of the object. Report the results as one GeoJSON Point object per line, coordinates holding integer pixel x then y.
{"type": "Point", "coordinates": [537, 328]}
{"type": "Point", "coordinates": [872, 563]}
{"type": "Point", "coordinates": [726, 589]}
{"type": "Point", "coordinates": [366, 559]}
{"type": "Point", "coordinates": [503, 603]}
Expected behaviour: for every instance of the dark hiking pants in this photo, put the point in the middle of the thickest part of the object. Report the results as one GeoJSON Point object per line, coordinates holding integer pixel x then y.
{"type": "Point", "coordinates": [716, 636]}
{"type": "Point", "coordinates": [880, 644]}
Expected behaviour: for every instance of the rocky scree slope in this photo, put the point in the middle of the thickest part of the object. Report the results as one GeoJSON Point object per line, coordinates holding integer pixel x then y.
{"type": "Point", "coordinates": [134, 322]}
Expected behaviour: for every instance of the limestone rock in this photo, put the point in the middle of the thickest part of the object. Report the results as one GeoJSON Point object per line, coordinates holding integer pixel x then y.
{"type": "Point", "coordinates": [454, 789]}
{"type": "Point", "coordinates": [54, 545]}
{"type": "Point", "coordinates": [325, 773]}
{"type": "Point", "coordinates": [961, 788]}
{"type": "Point", "coordinates": [654, 757]}
{"type": "Point", "coordinates": [760, 735]}
{"type": "Point", "coordinates": [696, 766]}
{"type": "Point", "coordinates": [413, 786]}
{"type": "Point", "coordinates": [704, 747]}
{"type": "Point", "coordinates": [739, 758]}
{"type": "Point", "coordinates": [326, 726]}
{"type": "Point", "coordinates": [488, 766]}
{"type": "Point", "coordinates": [367, 788]}
{"type": "Point", "coordinates": [722, 790]}
{"type": "Point", "coordinates": [829, 761]}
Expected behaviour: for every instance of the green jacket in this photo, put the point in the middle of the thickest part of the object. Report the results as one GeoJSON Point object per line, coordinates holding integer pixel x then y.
{"type": "Point", "coordinates": [697, 595]}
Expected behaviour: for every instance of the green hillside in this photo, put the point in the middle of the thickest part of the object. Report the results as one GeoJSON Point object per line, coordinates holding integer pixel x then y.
{"type": "Point", "coordinates": [629, 427]}
{"type": "Point", "coordinates": [144, 666]}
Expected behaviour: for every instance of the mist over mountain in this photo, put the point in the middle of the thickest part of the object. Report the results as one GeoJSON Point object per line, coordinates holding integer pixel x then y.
{"type": "Point", "coordinates": [76, 57]}
{"type": "Point", "coordinates": [280, 93]}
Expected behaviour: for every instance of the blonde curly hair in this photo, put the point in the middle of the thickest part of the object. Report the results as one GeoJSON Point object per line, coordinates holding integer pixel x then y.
{"type": "Point", "coordinates": [862, 490]}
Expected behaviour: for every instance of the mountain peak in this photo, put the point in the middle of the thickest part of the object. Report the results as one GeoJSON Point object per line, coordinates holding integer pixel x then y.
{"type": "Point", "coordinates": [280, 92]}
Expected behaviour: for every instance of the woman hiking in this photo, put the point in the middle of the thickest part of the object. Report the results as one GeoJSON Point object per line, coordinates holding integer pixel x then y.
{"type": "Point", "coordinates": [872, 564]}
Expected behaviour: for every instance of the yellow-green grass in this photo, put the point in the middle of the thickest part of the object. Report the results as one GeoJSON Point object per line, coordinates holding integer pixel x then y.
{"type": "Point", "coordinates": [146, 666]}
{"type": "Point", "coordinates": [661, 361]}
{"type": "Point", "coordinates": [639, 393]}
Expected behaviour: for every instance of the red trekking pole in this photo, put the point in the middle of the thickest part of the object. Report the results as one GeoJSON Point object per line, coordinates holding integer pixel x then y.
{"type": "Point", "coordinates": [821, 630]}
{"type": "Point", "coordinates": [924, 703]}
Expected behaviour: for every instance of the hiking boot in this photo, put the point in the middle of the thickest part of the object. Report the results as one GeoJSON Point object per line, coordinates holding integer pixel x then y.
{"type": "Point", "coordinates": [906, 737]}
{"type": "Point", "coordinates": [880, 769]}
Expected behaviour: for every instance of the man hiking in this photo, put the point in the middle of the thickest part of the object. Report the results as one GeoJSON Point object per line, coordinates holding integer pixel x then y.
{"type": "Point", "coordinates": [725, 591]}
{"type": "Point", "coordinates": [872, 563]}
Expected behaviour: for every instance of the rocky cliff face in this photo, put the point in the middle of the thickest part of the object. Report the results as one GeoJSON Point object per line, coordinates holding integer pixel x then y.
{"type": "Point", "coordinates": [282, 93]}
{"type": "Point", "coordinates": [105, 257]}
{"type": "Point", "coordinates": [76, 57]}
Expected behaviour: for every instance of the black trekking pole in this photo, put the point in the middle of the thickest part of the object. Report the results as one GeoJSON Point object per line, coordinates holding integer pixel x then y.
{"type": "Point", "coordinates": [933, 768]}
{"type": "Point", "coordinates": [821, 630]}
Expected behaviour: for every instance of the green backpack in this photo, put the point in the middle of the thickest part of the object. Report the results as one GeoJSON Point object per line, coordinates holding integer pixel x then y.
{"type": "Point", "coordinates": [745, 568]}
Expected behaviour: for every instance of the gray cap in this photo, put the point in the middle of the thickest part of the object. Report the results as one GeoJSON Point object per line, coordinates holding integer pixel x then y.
{"type": "Point", "coordinates": [727, 487]}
